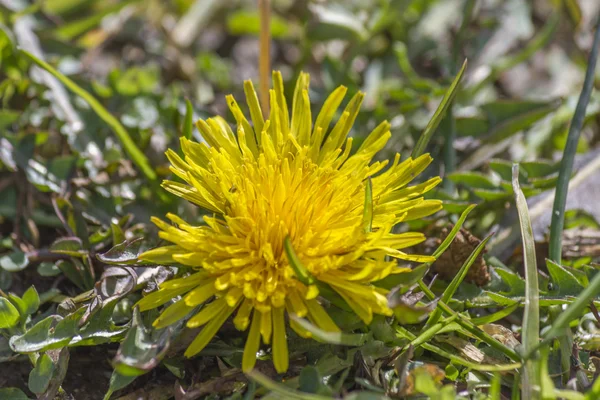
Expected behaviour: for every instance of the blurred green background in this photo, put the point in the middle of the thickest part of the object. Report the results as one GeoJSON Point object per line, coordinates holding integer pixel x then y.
{"type": "Point", "coordinates": [70, 189]}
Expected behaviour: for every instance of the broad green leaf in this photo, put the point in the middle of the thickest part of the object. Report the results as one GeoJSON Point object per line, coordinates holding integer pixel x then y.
{"type": "Point", "coordinates": [9, 315]}
{"type": "Point", "coordinates": [117, 382]}
{"type": "Point", "coordinates": [310, 379]}
{"type": "Point", "coordinates": [12, 394]}
{"type": "Point", "coordinates": [14, 261]}
{"type": "Point", "coordinates": [31, 300]}
{"type": "Point", "coordinates": [117, 233]}
{"type": "Point", "coordinates": [575, 309]}
{"type": "Point", "coordinates": [472, 126]}
{"type": "Point", "coordinates": [564, 282]}
{"type": "Point", "coordinates": [55, 332]}
{"type": "Point", "coordinates": [123, 253]}
{"type": "Point", "coordinates": [70, 246]}
{"type": "Point", "coordinates": [50, 333]}
{"type": "Point", "coordinates": [40, 376]}
{"type": "Point", "coordinates": [335, 23]}
{"type": "Point", "coordinates": [539, 169]}
{"type": "Point", "coordinates": [504, 169]}
{"type": "Point", "coordinates": [19, 304]}
{"type": "Point", "coordinates": [143, 347]}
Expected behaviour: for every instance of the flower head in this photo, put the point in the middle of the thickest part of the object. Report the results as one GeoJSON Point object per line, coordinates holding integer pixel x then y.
{"type": "Point", "coordinates": [288, 198]}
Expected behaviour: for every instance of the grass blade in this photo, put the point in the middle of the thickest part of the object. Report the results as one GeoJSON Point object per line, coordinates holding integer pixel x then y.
{"type": "Point", "coordinates": [281, 391]}
{"type": "Point", "coordinates": [446, 243]}
{"type": "Point", "coordinates": [438, 115]}
{"type": "Point", "coordinates": [302, 273]}
{"type": "Point", "coordinates": [419, 272]}
{"type": "Point", "coordinates": [188, 123]}
{"type": "Point", "coordinates": [530, 384]}
{"type": "Point", "coordinates": [338, 338]}
{"type": "Point", "coordinates": [458, 278]}
{"type": "Point", "coordinates": [566, 165]}
{"type": "Point", "coordinates": [137, 156]}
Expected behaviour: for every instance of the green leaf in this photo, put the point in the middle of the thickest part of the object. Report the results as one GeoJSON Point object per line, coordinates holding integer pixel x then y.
{"type": "Point", "coordinates": [129, 145]}
{"type": "Point", "coordinates": [472, 126]}
{"type": "Point", "coordinates": [143, 347]}
{"type": "Point", "coordinates": [565, 283]}
{"type": "Point", "coordinates": [504, 169]}
{"type": "Point", "coordinates": [14, 261]}
{"type": "Point", "coordinates": [48, 269]}
{"type": "Point", "coordinates": [438, 115]}
{"type": "Point", "coordinates": [19, 304]}
{"type": "Point", "coordinates": [54, 331]}
{"type": "Point", "coordinates": [12, 394]}
{"type": "Point", "coordinates": [9, 316]}
{"type": "Point", "coordinates": [311, 380]}
{"type": "Point", "coordinates": [70, 246]}
{"type": "Point", "coordinates": [408, 314]}
{"type": "Point", "coordinates": [117, 382]}
{"type": "Point", "coordinates": [538, 169]}
{"type": "Point", "coordinates": [575, 309]}
{"type": "Point", "coordinates": [40, 376]}
{"type": "Point", "coordinates": [523, 120]}
{"type": "Point", "coordinates": [491, 195]}
{"type": "Point", "coordinates": [530, 380]}
{"type": "Point", "coordinates": [472, 179]}
{"type": "Point", "coordinates": [335, 23]}
{"type": "Point", "coordinates": [50, 333]}
{"type": "Point", "coordinates": [31, 300]}
{"type": "Point", "coordinates": [117, 233]}
{"type": "Point", "coordinates": [72, 272]}
{"type": "Point", "coordinates": [123, 253]}
{"type": "Point", "coordinates": [405, 278]}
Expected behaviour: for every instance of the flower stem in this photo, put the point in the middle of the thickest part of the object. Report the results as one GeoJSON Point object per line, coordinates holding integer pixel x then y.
{"type": "Point", "coordinates": [264, 61]}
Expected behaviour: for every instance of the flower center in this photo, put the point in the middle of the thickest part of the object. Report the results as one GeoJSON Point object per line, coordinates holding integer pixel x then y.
{"type": "Point", "coordinates": [291, 197]}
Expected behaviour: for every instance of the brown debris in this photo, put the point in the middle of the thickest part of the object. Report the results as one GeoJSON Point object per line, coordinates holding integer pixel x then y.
{"type": "Point", "coordinates": [449, 263]}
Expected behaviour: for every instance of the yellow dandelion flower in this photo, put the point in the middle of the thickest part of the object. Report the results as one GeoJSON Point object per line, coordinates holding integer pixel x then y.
{"type": "Point", "coordinates": [277, 185]}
